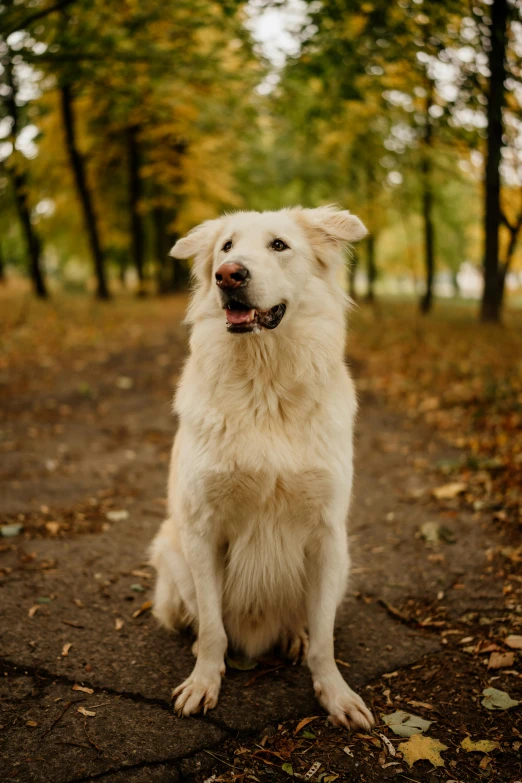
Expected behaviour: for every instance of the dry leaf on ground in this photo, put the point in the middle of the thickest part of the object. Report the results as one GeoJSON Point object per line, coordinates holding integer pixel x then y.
{"type": "Point", "coordinates": [497, 700]}
{"type": "Point", "coordinates": [479, 746]}
{"type": "Point", "coordinates": [449, 491]}
{"type": "Point", "coordinates": [387, 743]}
{"type": "Point", "coordinates": [117, 516]}
{"type": "Point", "coordinates": [515, 642]}
{"type": "Point", "coordinates": [404, 724]}
{"type": "Point", "coordinates": [65, 649]}
{"type": "Point", "coordinates": [87, 713]}
{"type": "Point", "coordinates": [143, 608]}
{"type": "Point", "coordinates": [303, 723]}
{"type": "Point", "coordinates": [118, 623]}
{"type": "Point", "coordinates": [499, 660]}
{"type": "Point", "coordinates": [81, 688]}
{"type": "Point", "coordinates": [420, 748]}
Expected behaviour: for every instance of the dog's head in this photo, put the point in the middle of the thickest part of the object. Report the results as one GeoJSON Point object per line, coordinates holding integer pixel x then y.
{"type": "Point", "coordinates": [256, 265]}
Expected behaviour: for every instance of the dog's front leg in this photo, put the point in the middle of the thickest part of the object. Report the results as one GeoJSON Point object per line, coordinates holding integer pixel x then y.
{"type": "Point", "coordinates": [329, 566]}
{"type": "Point", "coordinates": [201, 690]}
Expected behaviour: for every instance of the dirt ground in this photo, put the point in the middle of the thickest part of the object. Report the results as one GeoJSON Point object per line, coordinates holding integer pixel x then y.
{"type": "Point", "coordinates": [433, 616]}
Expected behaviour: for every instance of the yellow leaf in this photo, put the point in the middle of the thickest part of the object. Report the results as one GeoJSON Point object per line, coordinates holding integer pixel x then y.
{"type": "Point", "coordinates": [449, 491]}
{"type": "Point", "coordinates": [420, 747]}
{"type": "Point", "coordinates": [87, 713]}
{"type": "Point", "coordinates": [304, 723]}
{"type": "Point", "coordinates": [479, 746]}
{"type": "Point", "coordinates": [81, 688]}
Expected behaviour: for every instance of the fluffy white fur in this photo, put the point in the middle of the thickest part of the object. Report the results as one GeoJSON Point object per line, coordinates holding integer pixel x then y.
{"type": "Point", "coordinates": [254, 552]}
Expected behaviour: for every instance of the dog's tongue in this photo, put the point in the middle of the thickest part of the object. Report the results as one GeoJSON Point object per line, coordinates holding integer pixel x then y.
{"type": "Point", "coordinates": [240, 316]}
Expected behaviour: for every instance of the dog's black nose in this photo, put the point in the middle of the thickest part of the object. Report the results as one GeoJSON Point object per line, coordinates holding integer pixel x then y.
{"type": "Point", "coordinates": [232, 275]}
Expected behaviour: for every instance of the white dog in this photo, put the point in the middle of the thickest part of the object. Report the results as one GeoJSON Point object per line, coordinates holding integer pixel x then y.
{"type": "Point", "coordinates": [254, 552]}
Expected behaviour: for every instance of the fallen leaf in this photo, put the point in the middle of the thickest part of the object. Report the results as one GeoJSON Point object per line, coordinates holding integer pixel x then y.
{"type": "Point", "coordinates": [348, 751]}
{"type": "Point", "coordinates": [419, 747]}
{"type": "Point", "coordinates": [497, 700]}
{"type": "Point", "coordinates": [143, 608]}
{"type": "Point", "coordinates": [43, 600]}
{"type": "Point", "coordinates": [515, 642]}
{"type": "Point", "coordinates": [421, 704]}
{"type": "Point", "coordinates": [479, 746]}
{"type": "Point", "coordinates": [117, 516]}
{"type": "Point", "coordinates": [65, 649]}
{"type": "Point", "coordinates": [486, 647]}
{"type": "Point", "coordinates": [369, 738]}
{"type": "Point", "coordinates": [307, 734]}
{"type": "Point", "coordinates": [141, 574]}
{"type": "Point", "coordinates": [430, 532]}
{"type": "Point", "coordinates": [118, 623]}
{"type": "Point", "coordinates": [87, 713]}
{"type": "Point", "coordinates": [288, 769]}
{"type": "Point", "coordinates": [31, 723]}
{"type": "Point", "coordinates": [124, 382]}
{"type": "Point", "coordinates": [329, 778]}
{"type": "Point", "coordinates": [241, 664]}
{"type": "Point", "coordinates": [32, 611]}
{"type": "Point", "coordinates": [10, 531]}
{"type": "Point", "coordinates": [303, 723]}
{"type": "Point", "coordinates": [499, 660]}
{"type": "Point", "coordinates": [484, 762]}
{"type": "Point", "coordinates": [387, 743]}
{"type": "Point", "coordinates": [52, 527]}
{"type": "Point", "coordinates": [81, 688]}
{"type": "Point", "coordinates": [137, 588]}
{"type": "Point", "coordinates": [406, 725]}
{"type": "Point", "coordinates": [449, 491]}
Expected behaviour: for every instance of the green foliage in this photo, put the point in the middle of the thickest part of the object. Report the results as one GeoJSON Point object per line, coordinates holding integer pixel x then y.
{"type": "Point", "coordinates": [382, 102]}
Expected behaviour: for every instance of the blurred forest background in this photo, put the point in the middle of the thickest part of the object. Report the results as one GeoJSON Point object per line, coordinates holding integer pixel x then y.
{"type": "Point", "coordinates": [125, 123]}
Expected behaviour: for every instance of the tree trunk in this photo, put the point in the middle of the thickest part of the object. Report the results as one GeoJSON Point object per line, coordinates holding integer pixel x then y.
{"type": "Point", "coordinates": [161, 248]}
{"type": "Point", "coordinates": [2, 265]}
{"type": "Point", "coordinates": [135, 194]}
{"type": "Point", "coordinates": [78, 167]}
{"type": "Point", "coordinates": [371, 268]}
{"type": "Point", "coordinates": [20, 189]}
{"type": "Point", "coordinates": [427, 209]}
{"type": "Point", "coordinates": [31, 237]}
{"type": "Point", "coordinates": [180, 275]}
{"type": "Point", "coordinates": [493, 278]}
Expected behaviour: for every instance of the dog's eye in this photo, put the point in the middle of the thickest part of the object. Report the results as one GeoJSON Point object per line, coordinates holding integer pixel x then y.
{"type": "Point", "coordinates": [279, 245]}
{"type": "Point", "coordinates": [227, 246]}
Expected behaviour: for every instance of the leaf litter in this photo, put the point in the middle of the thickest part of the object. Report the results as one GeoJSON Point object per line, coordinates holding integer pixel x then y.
{"type": "Point", "coordinates": [419, 747]}
{"type": "Point", "coordinates": [495, 699]}
{"type": "Point", "coordinates": [404, 724]}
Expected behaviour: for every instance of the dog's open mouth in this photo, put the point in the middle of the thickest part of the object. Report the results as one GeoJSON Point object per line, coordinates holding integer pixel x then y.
{"type": "Point", "coordinates": [242, 318]}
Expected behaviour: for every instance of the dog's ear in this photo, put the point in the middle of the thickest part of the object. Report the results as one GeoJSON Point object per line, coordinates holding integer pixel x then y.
{"type": "Point", "coordinates": [198, 244]}
{"type": "Point", "coordinates": [335, 225]}
{"type": "Point", "coordinates": [329, 229]}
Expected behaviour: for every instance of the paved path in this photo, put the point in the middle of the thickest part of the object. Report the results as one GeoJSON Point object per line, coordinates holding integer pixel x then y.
{"type": "Point", "coordinates": [85, 442]}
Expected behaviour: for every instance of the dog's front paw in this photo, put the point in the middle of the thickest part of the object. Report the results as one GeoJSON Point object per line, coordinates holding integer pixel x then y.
{"type": "Point", "coordinates": [198, 693]}
{"type": "Point", "coordinates": [344, 706]}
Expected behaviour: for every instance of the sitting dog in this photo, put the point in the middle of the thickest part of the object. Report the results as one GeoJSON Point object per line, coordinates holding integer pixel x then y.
{"type": "Point", "coordinates": [254, 552]}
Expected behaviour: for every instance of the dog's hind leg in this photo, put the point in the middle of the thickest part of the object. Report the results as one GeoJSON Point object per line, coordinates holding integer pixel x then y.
{"type": "Point", "coordinates": [174, 603]}
{"type": "Point", "coordinates": [294, 646]}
